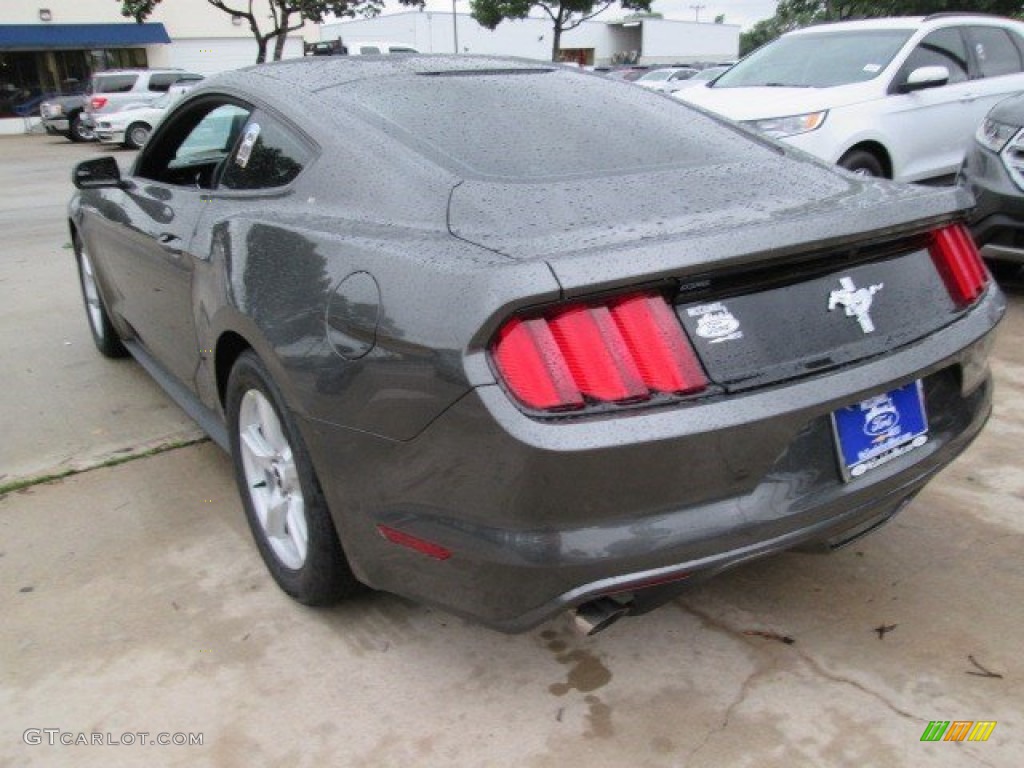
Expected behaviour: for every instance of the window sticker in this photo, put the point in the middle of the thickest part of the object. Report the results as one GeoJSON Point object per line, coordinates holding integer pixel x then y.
{"type": "Point", "coordinates": [872, 68]}
{"type": "Point", "coordinates": [979, 49]}
{"type": "Point", "coordinates": [245, 150]}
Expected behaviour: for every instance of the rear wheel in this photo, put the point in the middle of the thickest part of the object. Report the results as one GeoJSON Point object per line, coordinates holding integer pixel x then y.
{"type": "Point", "coordinates": [103, 333]}
{"type": "Point", "coordinates": [78, 131]}
{"type": "Point", "coordinates": [862, 163]}
{"type": "Point", "coordinates": [283, 501]}
{"type": "Point", "coordinates": [136, 135]}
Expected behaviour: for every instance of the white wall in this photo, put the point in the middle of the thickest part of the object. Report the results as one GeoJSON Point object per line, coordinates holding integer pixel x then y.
{"type": "Point", "coordinates": [431, 32]}
{"type": "Point", "coordinates": [689, 40]}
{"type": "Point", "coordinates": [212, 55]}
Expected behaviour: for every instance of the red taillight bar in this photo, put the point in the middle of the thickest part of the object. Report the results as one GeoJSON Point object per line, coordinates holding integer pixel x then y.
{"type": "Point", "coordinates": [533, 366]}
{"type": "Point", "coordinates": [958, 262]}
{"type": "Point", "coordinates": [620, 352]}
{"type": "Point", "coordinates": [98, 102]}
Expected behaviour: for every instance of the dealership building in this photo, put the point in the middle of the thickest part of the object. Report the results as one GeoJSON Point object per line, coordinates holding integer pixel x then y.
{"type": "Point", "coordinates": [643, 39]}
{"type": "Point", "coordinates": [52, 46]}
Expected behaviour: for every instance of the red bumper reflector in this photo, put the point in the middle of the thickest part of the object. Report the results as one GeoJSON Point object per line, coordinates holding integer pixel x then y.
{"type": "Point", "coordinates": [958, 262]}
{"type": "Point", "coordinates": [403, 539]}
{"type": "Point", "coordinates": [623, 351]}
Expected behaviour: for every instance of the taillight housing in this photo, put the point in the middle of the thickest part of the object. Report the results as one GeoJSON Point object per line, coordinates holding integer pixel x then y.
{"type": "Point", "coordinates": [959, 263]}
{"type": "Point", "coordinates": [624, 350]}
{"type": "Point", "coordinates": [98, 102]}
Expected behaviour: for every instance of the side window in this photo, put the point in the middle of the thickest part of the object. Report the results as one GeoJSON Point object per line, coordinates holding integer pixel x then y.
{"type": "Point", "coordinates": [368, 50]}
{"type": "Point", "coordinates": [994, 51]}
{"type": "Point", "coordinates": [162, 82]}
{"type": "Point", "coordinates": [194, 144]}
{"type": "Point", "coordinates": [942, 48]}
{"type": "Point", "coordinates": [269, 156]}
{"type": "Point", "coordinates": [114, 83]}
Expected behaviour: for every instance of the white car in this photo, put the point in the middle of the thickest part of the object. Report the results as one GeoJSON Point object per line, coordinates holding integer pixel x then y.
{"type": "Point", "coordinates": [898, 97]}
{"type": "Point", "coordinates": [131, 126]}
{"type": "Point", "coordinates": [665, 80]}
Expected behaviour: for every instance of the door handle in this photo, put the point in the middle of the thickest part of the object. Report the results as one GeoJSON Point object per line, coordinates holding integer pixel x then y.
{"type": "Point", "coordinates": [166, 237]}
{"type": "Point", "coordinates": [968, 97]}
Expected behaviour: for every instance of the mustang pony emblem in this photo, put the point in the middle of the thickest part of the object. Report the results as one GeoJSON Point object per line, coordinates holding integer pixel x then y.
{"type": "Point", "coordinates": [856, 301]}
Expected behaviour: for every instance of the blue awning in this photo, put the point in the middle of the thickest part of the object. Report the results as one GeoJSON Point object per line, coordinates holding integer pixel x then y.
{"type": "Point", "coordinates": [48, 37]}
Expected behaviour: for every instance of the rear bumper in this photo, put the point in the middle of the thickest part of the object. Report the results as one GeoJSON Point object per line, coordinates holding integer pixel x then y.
{"type": "Point", "coordinates": [109, 137]}
{"type": "Point", "coordinates": [56, 125]}
{"type": "Point", "coordinates": [542, 516]}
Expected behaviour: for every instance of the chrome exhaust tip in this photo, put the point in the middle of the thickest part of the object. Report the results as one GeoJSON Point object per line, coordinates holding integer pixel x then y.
{"type": "Point", "coordinates": [597, 615]}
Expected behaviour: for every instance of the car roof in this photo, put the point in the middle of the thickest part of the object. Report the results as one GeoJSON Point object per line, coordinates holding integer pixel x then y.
{"type": "Point", "coordinates": [908, 23]}
{"type": "Point", "coordinates": [318, 73]}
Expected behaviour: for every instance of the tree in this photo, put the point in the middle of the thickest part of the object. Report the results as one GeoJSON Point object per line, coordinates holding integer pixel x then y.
{"type": "Point", "coordinates": [279, 22]}
{"type": "Point", "coordinates": [793, 14]}
{"type": "Point", "coordinates": [565, 14]}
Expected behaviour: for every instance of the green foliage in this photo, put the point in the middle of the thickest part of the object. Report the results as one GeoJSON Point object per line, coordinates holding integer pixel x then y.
{"type": "Point", "coordinates": [564, 14]}
{"type": "Point", "coordinates": [793, 14]}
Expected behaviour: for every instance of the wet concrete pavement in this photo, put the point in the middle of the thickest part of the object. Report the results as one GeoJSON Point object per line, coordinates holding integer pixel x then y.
{"type": "Point", "coordinates": [134, 601]}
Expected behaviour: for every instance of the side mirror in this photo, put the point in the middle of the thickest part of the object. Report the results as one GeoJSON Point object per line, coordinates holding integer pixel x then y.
{"type": "Point", "coordinates": [100, 173]}
{"type": "Point", "coordinates": [925, 77]}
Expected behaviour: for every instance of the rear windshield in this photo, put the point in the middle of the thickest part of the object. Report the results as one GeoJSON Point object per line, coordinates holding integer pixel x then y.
{"type": "Point", "coordinates": [818, 60]}
{"type": "Point", "coordinates": [531, 124]}
{"type": "Point", "coordinates": [113, 83]}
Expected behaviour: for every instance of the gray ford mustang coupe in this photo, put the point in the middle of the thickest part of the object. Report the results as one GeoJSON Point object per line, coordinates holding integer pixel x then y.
{"type": "Point", "coordinates": [515, 340]}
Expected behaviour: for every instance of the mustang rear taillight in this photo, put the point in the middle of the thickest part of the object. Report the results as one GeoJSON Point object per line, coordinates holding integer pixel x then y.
{"type": "Point", "coordinates": [623, 351]}
{"type": "Point", "coordinates": [98, 102]}
{"type": "Point", "coordinates": [958, 261]}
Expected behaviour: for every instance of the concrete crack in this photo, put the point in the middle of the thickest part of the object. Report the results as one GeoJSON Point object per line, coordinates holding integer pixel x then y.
{"type": "Point", "coordinates": [815, 665]}
{"type": "Point", "coordinates": [30, 482]}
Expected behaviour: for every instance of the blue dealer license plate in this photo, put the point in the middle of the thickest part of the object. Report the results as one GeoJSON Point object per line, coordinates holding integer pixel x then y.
{"type": "Point", "coordinates": [880, 428]}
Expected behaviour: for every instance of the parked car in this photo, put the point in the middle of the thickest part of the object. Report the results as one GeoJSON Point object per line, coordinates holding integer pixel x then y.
{"type": "Point", "coordinates": [663, 80]}
{"type": "Point", "coordinates": [629, 73]}
{"type": "Point", "coordinates": [702, 78]}
{"type": "Point", "coordinates": [511, 371]}
{"type": "Point", "coordinates": [364, 48]}
{"type": "Point", "coordinates": [131, 127]}
{"type": "Point", "coordinates": [897, 97]}
{"type": "Point", "coordinates": [994, 172]}
{"type": "Point", "coordinates": [117, 89]}
{"type": "Point", "coordinates": [62, 116]}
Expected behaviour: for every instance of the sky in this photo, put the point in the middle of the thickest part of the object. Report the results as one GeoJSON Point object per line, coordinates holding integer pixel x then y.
{"type": "Point", "coordinates": [742, 12]}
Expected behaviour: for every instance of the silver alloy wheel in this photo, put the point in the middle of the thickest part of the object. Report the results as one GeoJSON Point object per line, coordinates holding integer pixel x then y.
{"type": "Point", "coordinates": [92, 294]}
{"type": "Point", "coordinates": [138, 135]}
{"type": "Point", "coordinates": [272, 479]}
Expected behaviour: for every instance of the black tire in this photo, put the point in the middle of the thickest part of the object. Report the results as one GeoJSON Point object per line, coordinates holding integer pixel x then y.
{"type": "Point", "coordinates": [323, 576]}
{"type": "Point", "coordinates": [78, 131]}
{"type": "Point", "coordinates": [136, 135]}
{"type": "Point", "coordinates": [1003, 270]}
{"type": "Point", "coordinates": [104, 334]}
{"type": "Point", "coordinates": [863, 163]}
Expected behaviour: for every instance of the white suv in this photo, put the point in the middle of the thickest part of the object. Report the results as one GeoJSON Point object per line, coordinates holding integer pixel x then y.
{"type": "Point", "coordinates": [898, 97]}
{"type": "Point", "coordinates": [116, 89]}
